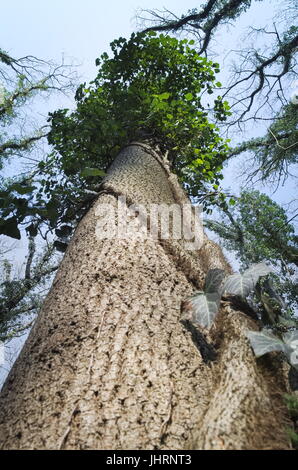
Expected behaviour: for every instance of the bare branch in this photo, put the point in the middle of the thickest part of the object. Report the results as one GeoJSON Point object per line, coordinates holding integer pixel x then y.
{"type": "Point", "coordinates": [175, 25]}
{"type": "Point", "coordinates": [206, 21]}
{"type": "Point", "coordinates": [31, 252]}
{"type": "Point", "coordinates": [258, 80]}
{"type": "Point", "coordinates": [283, 56]}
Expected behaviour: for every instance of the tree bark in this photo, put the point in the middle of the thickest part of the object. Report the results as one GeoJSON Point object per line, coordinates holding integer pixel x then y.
{"type": "Point", "coordinates": [109, 364]}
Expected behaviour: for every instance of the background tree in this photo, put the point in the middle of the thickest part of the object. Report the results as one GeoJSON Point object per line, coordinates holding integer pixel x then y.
{"type": "Point", "coordinates": [21, 294]}
{"type": "Point", "coordinates": [259, 74]}
{"type": "Point", "coordinates": [21, 80]}
{"type": "Point", "coordinates": [276, 152]}
{"type": "Point", "coordinates": [258, 229]}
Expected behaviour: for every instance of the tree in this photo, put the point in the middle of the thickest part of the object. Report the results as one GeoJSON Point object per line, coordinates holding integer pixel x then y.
{"type": "Point", "coordinates": [258, 229]}
{"type": "Point", "coordinates": [21, 81]}
{"type": "Point", "coordinates": [109, 364]}
{"type": "Point", "coordinates": [21, 294]}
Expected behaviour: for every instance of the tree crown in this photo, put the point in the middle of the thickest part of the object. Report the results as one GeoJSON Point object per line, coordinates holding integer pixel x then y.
{"type": "Point", "coordinates": [153, 87]}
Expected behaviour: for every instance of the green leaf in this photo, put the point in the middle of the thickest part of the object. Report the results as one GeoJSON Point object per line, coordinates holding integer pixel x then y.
{"type": "Point", "coordinates": [63, 231]}
{"type": "Point", "coordinates": [164, 96]}
{"type": "Point", "coordinates": [9, 227]}
{"type": "Point", "coordinates": [32, 230]}
{"type": "Point", "coordinates": [205, 308]}
{"type": "Point", "coordinates": [92, 172]}
{"type": "Point", "coordinates": [60, 246]}
{"type": "Point", "coordinates": [291, 340]}
{"type": "Point", "coordinates": [214, 280]}
{"type": "Point", "coordinates": [264, 341]}
{"type": "Point", "coordinates": [243, 284]}
{"type": "Point", "coordinates": [189, 96]}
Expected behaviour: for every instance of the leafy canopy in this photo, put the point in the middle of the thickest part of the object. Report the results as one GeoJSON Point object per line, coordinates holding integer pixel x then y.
{"type": "Point", "coordinates": [278, 149]}
{"type": "Point", "coordinates": [153, 87]}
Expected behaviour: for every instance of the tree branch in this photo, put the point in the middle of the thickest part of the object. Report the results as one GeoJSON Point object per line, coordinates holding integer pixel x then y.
{"type": "Point", "coordinates": [22, 144]}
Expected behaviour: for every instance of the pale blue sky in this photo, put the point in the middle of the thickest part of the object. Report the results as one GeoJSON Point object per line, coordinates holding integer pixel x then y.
{"type": "Point", "coordinates": [83, 30]}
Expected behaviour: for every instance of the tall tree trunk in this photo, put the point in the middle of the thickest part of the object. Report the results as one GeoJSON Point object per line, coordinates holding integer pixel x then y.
{"type": "Point", "coordinates": [108, 363]}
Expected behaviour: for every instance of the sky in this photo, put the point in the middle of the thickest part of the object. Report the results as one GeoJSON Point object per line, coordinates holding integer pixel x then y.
{"type": "Point", "coordinates": [80, 32]}
{"type": "Point", "coordinates": [83, 30]}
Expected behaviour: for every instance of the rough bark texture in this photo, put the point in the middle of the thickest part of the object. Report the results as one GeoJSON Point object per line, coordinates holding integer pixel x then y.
{"type": "Point", "coordinates": [108, 363]}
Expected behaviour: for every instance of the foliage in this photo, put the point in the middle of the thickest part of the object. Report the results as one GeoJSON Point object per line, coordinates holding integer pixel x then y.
{"type": "Point", "coordinates": [292, 405]}
{"type": "Point", "coordinates": [257, 229]}
{"type": "Point", "coordinates": [204, 305]}
{"type": "Point", "coordinates": [243, 284]}
{"type": "Point", "coordinates": [202, 309]}
{"type": "Point", "coordinates": [294, 438]}
{"type": "Point", "coordinates": [151, 88]}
